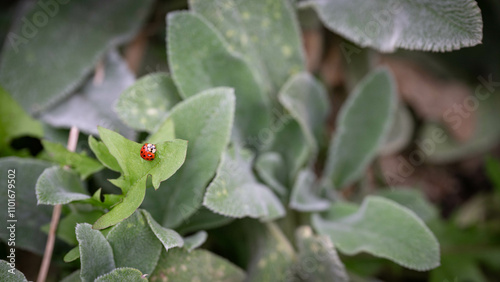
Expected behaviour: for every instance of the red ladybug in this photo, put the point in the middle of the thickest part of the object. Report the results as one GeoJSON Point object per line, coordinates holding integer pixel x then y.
{"type": "Point", "coordinates": [148, 151]}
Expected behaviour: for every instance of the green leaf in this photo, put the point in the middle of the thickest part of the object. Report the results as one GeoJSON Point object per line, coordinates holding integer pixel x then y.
{"type": "Point", "coordinates": [493, 172]}
{"type": "Point", "coordinates": [203, 219]}
{"type": "Point", "coordinates": [144, 105]}
{"type": "Point", "coordinates": [198, 265]}
{"type": "Point", "coordinates": [134, 244]}
{"type": "Point", "coordinates": [194, 241]}
{"type": "Point", "coordinates": [266, 34]}
{"type": "Point", "coordinates": [205, 121]}
{"type": "Point", "coordinates": [271, 168]}
{"type": "Point", "coordinates": [30, 217]}
{"type": "Point", "coordinates": [10, 274]}
{"type": "Point", "coordinates": [169, 158]}
{"type": "Point", "coordinates": [363, 124]}
{"type": "Point", "coordinates": [305, 194]}
{"type": "Point", "coordinates": [89, 107]}
{"type": "Point", "coordinates": [168, 237]}
{"type": "Point", "coordinates": [14, 122]}
{"type": "Point", "coordinates": [413, 199]}
{"type": "Point", "coordinates": [73, 255]}
{"type": "Point", "coordinates": [387, 25]}
{"type": "Point", "coordinates": [385, 229]}
{"type": "Point", "coordinates": [66, 227]}
{"type": "Point", "coordinates": [34, 49]}
{"type": "Point", "coordinates": [400, 134]}
{"type": "Point", "coordinates": [306, 100]}
{"type": "Point", "coordinates": [59, 186]}
{"type": "Point", "coordinates": [463, 267]}
{"type": "Point", "coordinates": [103, 155]}
{"type": "Point", "coordinates": [81, 163]}
{"type": "Point", "coordinates": [123, 274]}
{"type": "Point", "coordinates": [73, 277]}
{"type": "Point", "coordinates": [196, 51]}
{"type": "Point", "coordinates": [166, 131]}
{"type": "Point", "coordinates": [235, 192]}
{"type": "Point", "coordinates": [318, 260]}
{"type": "Point", "coordinates": [96, 254]}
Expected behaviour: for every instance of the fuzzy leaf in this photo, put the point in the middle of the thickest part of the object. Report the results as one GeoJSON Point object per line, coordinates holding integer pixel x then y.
{"type": "Point", "coordinates": [235, 192]}
{"type": "Point", "coordinates": [180, 265]}
{"type": "Point", "coordinates": [318, 260]}
{"type": "Point", "coordinates": [81, 163]}
{"type": "Point", "coordinates": [400, 134]}
{"type": "Point", "coordinates": [73, 277]}
{"type": "Point", "coordinates": [266, 34]}
{"type": "Point", "coordinates": [205, 121]}
{"type": "Point", "coordinates": [28, 234]}
{"type": "Point", "coordinates": [168, 237]}
{"type": "Point", "coordinates": [57, 186]}
{"type": "Point", "coordinates": [271, 168]}
{"type": "Point", "coordinates": [385, 229]}
{"type": "Point", "coordinates": [196, 50]}
{"type": "Point", "coordinates": [386, 25]}
{"type": "Point", "coordinates": [306, 100]}
{"type": "Point", "coordinates": [134, 244]}
{"type": "Point", "coordinates": [413, 199]}
{"type": "Point", "coordinates": [90, 106]}
{"type": "Point", "coordinates": [10, 274]}
{"type": "Point", "coordinates": [32, 51]}
{"type": "Point", "coordinates": [14, 122]}
{"type": "Point", "coordinates": [96, 255]}
{"type": "Point", "coordinates": [305, 194]}
{"type": "Point", "coordinates": [203, 219]}
{"type": "Point", "coordinates": [363, 124]}
{"type": "Point", "coordinates": [144, 105]}
{"type": "Point", "coordinates": [123, 274]}
{"type": "Point", "coordinates": [194, 241]}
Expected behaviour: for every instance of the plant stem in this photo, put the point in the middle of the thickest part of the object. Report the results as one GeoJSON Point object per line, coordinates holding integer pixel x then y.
{"type": "Point", "coordinates": [56, 213]}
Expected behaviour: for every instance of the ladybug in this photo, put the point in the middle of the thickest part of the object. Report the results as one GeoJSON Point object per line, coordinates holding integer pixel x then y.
{"type": "Point", "coordinates": [148, 151]}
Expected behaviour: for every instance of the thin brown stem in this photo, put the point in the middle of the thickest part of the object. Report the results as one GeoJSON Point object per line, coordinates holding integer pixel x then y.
{"type": "Point", "coordinates": [56, 214]}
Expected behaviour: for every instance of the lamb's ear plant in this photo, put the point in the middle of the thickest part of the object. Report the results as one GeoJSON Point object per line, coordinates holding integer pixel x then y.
{"type": "Point", "coordinates": [242, 146]}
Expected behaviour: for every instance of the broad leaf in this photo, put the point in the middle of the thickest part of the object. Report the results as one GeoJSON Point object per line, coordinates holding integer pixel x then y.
{"type": "Point", "coordinates": [123, 274]}
{"type": "Point", "coordinates": [386, 25]}
{"type": "Point", "coordinates": [168, 237]}
{"type": "Point", "coordinates": [134, 244]}
{"type": "Point", "coordinates": [96, 255]}
{"type": "Point", "coordinates": [103, 155]}
{"type": "Point", "coordinates": [235, 192]}
{"type": "Point", "coordinates": [81, 163]}
{"type": "Point", "coordinates": [413, 199]}
{"type": "Point", "coordinates": [144, 105]}
{"type": "Point", "coordinates": [198, 265]}
{"type": "Point", "coordinates": [194, 241]}
{"type": "Point", "coordinates": [305, 193]}
{"type": "Point", "coordinates": [205, 121]}
{"type": "Point", "coordinates": [266, 34]}
{"type": "Point", "coordinates": [317, 260]}
{"type": "Point", "coordinates": [32, 50]}
{"type": "Point", "coordinates": [400, 134]}
{"type": "Point", "coordinates": [203, 219]}
{"type": "Point", "coordinates": [90, 106]}
{"type": "Point", "coordinates": [385, 229]}
{"type": "Point", "coordinates": [7, 273]}
{"type": "Point", "coordinates": [271, 168]}
{"type": "Point", "coordinates": [14, 122]}
{"type": "Point", "coordinates": [363, 124]}
{"type": "Point", "coordinates": [66, 226]}
{"type": "Point", "coordinates": [196, 51]}
{"type": "Point", "coordinates": [29, 216]}
{"type": "Point", "coordinates": [306, 100]}
{"type": "Point", "coordinates": [57, 186]}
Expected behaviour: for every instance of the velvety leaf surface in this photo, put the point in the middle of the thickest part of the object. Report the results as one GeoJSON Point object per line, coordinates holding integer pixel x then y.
{"type": "Point", "coordinates": [386, 25]}
{"type": "Point", "coordinates": [400, 134]}
{"type": "Point", "coordinates": [413, 199]}
{"type": "Point", "coordinates": [195, 50]}
{"type": "Point", "coordinates": [134, 244]}
{"type": "Point", "coordinates": [205, 121]}
{"type": "Point", "coordinates": [7, 274]}
{"type": "Point", "coordinates": [203, 219]}
{"type": "Point", "coordinates": [144, 105]}
{"type": "Point", "coordinates": [235, 192]}
{"type": "Point", "coordinates": [199, 265]}
{"type": "Point", "coordinates": [30, 217]}
{"type": "Point", "coordinates": [81, 163]}
{"type": "Point", "coordinates": [34, 49]}
{"type": "Point", "coordinates": [96, 255]}
{"type": "Point", "coordinates": [168, 237]}
{"type": "Point", "coordinates": [73, 277]}
{"type": "Point", "coordinates": [271, 169]}
{"type": "Point", "coordinates": [194, 241]}
{"type": "Point", "coordinates": [123, 274]}
{"type": "Point", "coordinates": [385, 229]}
{"type": "Point", "coordinates": [305, 196]}
{"type": "Point", "coordinates": [266, 33]}
{"type": "Point", "coordinates": [363, 124]}
{"type": "Point", "coordinates": [59, 186]}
